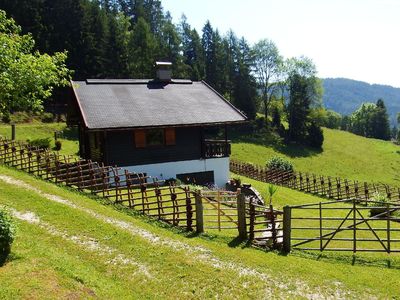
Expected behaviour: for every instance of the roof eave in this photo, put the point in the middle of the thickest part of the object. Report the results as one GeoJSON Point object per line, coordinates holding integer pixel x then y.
{"type": "Point", "coordinates": [167, 125]}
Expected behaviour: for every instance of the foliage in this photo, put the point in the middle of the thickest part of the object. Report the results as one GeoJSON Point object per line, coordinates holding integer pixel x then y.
{"type": "Point", "coordinates": [371, 120]}
{"type": "Point", "coordinates": [315, 135]}
{"type": "Point", "coordinates": [279, 163]}
{"type": "Point", "coordinates": [57, 145]}
{"type": "Point", "coordinates": [333, 120]}
{"type": "Point", "coordinates": [271, 190]}
{"type": "Point", "coordinates": [379, 199]}
{"type": "Point", "coordinates": [298, 108]}
{"type": "Point", "coordinates": [269, 71]}
{"type": "Point", "coordinates": [20, 117]}
{"type": "Point", "coordinates": [26, 76]}
{"type": "Point", "coordinates": [345, 96]}
{"type": "Point", "coordinates": [43, 143]}
{"type": "Point", "coordinates": [7, 233]}
{"type": "Point", "coordinates": [47, 117]}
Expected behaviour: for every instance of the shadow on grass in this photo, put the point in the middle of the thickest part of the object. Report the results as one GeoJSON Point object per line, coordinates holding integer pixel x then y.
{"type": "Point", "coordinates": [352, 259]}
{"type": "Point", "coordinates": [70, 133]}
{"type": "Point", "coordinates": [292, 150]}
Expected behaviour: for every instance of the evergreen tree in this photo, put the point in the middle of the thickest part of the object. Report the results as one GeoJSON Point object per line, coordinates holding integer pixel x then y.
{"type": "Point", "coordinates": [298, 107]}
{"type": "Point", "coordinates": [380, 126]}
{"type": "Point", "coordinates": [245, 89]}
{"type": "Point", "coordinates": [143, 51]}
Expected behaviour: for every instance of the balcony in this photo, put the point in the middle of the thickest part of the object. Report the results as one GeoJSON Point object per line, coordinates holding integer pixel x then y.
{"type": "Point", "coordinates": [216, 148]}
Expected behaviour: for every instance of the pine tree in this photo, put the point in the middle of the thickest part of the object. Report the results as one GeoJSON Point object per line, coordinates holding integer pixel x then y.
{"type": "Point", "coordinates": [380, 125]}
{"type": "Point", "coordinates": [298, 107]}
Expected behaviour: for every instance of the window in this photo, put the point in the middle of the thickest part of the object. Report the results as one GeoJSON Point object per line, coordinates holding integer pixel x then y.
{"type": "Point", "coordinates": [154, 137]}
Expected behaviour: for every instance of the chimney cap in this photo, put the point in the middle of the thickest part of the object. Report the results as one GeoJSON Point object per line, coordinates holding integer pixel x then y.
{"type": "Point", "coordinates": [163, 63]}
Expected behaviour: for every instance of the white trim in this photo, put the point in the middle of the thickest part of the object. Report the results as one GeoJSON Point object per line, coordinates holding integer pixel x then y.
{"type": "Point", "coordinates": [220, 167]}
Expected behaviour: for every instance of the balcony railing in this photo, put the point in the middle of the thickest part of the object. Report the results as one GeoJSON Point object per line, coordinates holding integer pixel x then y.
{"type": "Point", "coordinates": [216, 148]}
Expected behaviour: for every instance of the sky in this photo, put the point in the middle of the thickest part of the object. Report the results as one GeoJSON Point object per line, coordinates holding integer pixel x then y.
{"type": "Point", "coordinates": [356, 39]}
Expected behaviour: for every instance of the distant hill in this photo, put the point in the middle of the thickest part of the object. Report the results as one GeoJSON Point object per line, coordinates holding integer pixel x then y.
{"type": "Point", "coordinates": [346, 95]}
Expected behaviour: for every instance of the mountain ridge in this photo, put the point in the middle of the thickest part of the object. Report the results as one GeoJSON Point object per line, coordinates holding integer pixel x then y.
{"type": "Point", "coordinates": [345, 95]}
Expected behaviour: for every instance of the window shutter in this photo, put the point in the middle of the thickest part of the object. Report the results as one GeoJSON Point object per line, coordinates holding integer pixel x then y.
{"type": "Point", "coordinates": [140, 138]}
{"type": "Point", "coordinates": [170, 136]}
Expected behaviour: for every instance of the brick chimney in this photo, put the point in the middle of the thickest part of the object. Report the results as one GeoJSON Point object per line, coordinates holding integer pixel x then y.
{"type": "Point", "coordinates": [164, 72]}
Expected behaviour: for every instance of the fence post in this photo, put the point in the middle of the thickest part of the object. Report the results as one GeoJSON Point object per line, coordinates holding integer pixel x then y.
{"type": "Point", "coordinates": [287, 218]}
{"type": "Point", "coordinates": [13, 132]}
{"type": "Point", "coordinates": [199, 213]}
{"type": "Point", "coordinates": [241, 211]}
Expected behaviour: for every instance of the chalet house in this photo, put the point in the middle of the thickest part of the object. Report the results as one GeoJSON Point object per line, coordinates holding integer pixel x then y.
{"type": "Point", "coordinates": [156, 127]}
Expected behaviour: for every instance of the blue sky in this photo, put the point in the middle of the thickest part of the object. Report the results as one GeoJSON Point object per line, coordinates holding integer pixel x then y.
{"type": "Point", "coordinates": [356, 39]}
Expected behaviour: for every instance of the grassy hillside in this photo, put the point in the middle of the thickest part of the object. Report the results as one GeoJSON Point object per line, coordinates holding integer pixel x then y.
{"type": "Point", "coordinates": [344, 154]}
{"type": "Point", "coordinates": [68, 245]}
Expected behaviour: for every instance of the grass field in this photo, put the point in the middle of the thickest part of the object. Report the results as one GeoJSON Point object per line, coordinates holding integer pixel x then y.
{"type": "Point", "coordinates": [69, 245]}
{"type": "Point", "coordinates": [344, 154]}
{"type": "Point", "coordinates": [34, 131]}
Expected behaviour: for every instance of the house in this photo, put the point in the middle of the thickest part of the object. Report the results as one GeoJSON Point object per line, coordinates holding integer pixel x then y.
{"type": "Point", "coordinates": [157, 127]}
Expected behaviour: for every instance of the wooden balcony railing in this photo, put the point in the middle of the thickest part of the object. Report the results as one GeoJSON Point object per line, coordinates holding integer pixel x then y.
{"type": "Point", "coordinates": [216, 148]}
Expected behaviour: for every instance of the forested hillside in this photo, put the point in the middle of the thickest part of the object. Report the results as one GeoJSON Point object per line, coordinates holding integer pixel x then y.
{"type": "Point", "coordinates": [346, 95]}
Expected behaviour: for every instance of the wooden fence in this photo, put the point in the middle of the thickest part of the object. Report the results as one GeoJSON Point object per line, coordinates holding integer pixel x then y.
{"type": "Point", "coordinates": [334, 188]}
{"type": "Point", "coordinates": [343, 226]}
{"type": "Point", "coordinates": [175, 205]}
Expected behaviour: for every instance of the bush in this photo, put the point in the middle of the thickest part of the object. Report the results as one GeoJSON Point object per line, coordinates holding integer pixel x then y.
{"type": "Point", "coordinates": [7, 234]}
{"type": "Point", "coordinates": [40, 143]}
{"type": "Point", "coordinates": [315, 137]}
{"type": "Point", "coordinates": [279, 163]}
{"type": "Point", "coordinates": [21, 117]}
{"type": "Point", "coordinates": [47, 117]}
{"type": "Point", "coordinates": [58, 145]}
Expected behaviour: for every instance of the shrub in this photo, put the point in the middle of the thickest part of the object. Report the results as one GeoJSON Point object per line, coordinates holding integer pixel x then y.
{"type": "Point", "coordinates": [58, 145]}
{"type": "Point", "coordinates": [40, 143]}
{"type": "Point", "coordinates": [279, 163]}
{"type": "Point", "coordinates": [379, 199]}
{"type": "Point", "coordinates": [7, 234]}
{"type": "Point", "coordinates": [47, 117]}
{"type": "Point", "coordinates": [21, 117]}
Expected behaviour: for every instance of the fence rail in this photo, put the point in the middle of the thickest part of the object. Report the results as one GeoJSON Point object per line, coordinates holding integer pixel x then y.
{"type": "Point", "coordinates": [326, 186]}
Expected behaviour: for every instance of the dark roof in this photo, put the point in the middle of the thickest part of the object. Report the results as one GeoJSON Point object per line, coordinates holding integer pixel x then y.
{"type": "Point", "coordinates": [112, 103]}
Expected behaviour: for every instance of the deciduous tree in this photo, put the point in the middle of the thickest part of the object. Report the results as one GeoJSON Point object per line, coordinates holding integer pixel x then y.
{"type": "Point", "coordinates": [26, 76]}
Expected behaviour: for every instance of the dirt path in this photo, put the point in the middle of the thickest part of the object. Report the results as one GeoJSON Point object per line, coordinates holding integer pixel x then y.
{"type": "Point", "coordinates": [201, 254]}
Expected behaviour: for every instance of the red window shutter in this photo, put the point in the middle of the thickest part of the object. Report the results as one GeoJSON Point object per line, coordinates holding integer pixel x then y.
{"type": "Point", "coordinates": [170, 136]}
{"type": "Point", "coordinates": [140, 138]}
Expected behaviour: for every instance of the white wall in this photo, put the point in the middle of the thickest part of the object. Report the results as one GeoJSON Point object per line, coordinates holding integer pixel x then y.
{"type": "Point", "coordinates": [220, 166]}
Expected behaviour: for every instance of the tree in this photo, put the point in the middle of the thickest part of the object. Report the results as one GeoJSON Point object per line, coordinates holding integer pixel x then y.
{"type": "Point", "coordinates": [26, 76]}
{"type": "Point", "coordinates": [360, 120]}
{"type": "Point", "coordinates": [305, 67]}
{"type": "Point", "coordinates": [143, 51]}
{"type": "Point", "coordinates": [268, 65]}
{"type": "Point", "coordinates": [371, 120]}
{"type": "Point", "coordinates": [315, 136]}
{"type": "Point", "coordinates": [298, 107]}
{"type": "Point", "coordinates": [380, 126]}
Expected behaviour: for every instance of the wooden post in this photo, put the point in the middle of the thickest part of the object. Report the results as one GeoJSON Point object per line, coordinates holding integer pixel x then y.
{"type": "Point", "coordinates": [241, 210]}
{"type": "Point", "coordinates": [13, 132]}
{"type": "Point", "coordinates": [199, 213]}
{"type": "Point", "coordinates": [287, 218]}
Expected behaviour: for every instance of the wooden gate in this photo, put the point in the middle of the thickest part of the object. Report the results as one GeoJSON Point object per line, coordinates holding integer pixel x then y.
{"type": "Point", "coordinates": [220, 209]}
{"type": "Point", "coordinates": [344, 226]}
